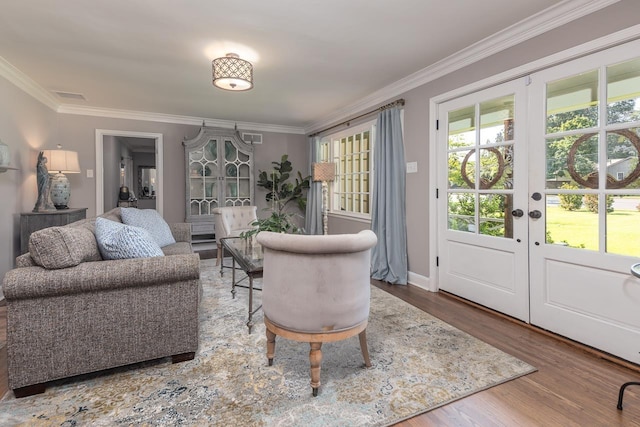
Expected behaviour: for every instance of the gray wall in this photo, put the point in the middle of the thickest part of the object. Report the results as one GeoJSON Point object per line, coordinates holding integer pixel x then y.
{"type": "Point", "coordinates": [26, 126]}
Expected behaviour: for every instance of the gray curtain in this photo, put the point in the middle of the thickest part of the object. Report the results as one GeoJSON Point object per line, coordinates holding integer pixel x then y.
{"type": "Point", "coordinates": [313, 216]}
{"type": "Point", "coordinates": [388, 213]}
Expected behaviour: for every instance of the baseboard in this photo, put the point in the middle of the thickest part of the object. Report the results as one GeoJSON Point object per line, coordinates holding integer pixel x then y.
{"type": "Point", "coordinates": [420, 281]}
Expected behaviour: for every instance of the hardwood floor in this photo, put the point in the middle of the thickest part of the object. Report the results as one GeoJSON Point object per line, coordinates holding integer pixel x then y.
{"type": "Point", "coordinates": [572, 387]}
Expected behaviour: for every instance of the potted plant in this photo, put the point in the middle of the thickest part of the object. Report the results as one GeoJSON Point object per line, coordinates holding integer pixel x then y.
{"type": "Point", "coordinates": [281, 194]}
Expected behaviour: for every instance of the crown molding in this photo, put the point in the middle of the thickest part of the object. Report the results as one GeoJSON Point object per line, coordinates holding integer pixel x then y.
{"type": "Point", "coordinates": [175, 119]}
{"type": "Point", "coordinates": [546, 20]}
{"type": "Point", "coordinates": [24, 82]}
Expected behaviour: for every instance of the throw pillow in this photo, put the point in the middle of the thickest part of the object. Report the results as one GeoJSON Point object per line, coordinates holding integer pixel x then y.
{"type": "Point", "coordinates": [62, 247]}
{"type": "Point", "coordinates": [121, 241]}
{"type": "Point", "coordinates": [150, 220]}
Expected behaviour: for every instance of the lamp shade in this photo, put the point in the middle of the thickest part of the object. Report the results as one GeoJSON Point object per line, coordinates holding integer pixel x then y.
{"type": "Point", "coordinates": [232, 73]}
{"type": "Point", "coordinates": [62, 161]}
{"type": "Point", "coordinates": [324, 171]}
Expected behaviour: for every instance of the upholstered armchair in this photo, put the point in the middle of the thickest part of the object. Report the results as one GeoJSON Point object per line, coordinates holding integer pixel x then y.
{"type": "Point", "coordinates": [230, 221]}
{"type": "Point", "coordinates": [316, 289]}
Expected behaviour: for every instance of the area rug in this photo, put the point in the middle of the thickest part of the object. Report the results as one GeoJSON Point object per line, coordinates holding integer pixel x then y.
{"type": "Point", "coordinates": [419, 363]}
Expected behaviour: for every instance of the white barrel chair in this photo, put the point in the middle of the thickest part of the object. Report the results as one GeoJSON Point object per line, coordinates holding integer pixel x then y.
{"type": "Point", "coordinates": [316, 289]}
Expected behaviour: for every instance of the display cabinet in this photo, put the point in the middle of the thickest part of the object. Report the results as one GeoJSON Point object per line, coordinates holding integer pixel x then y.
{"type": "Point", "coordinates": [219, 172]}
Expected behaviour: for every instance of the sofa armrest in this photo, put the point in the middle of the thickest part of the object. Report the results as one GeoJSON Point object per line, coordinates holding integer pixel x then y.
{"type": "Point", "coordinates": [181, 231]}
{"type": "Point", "coordinates": [96, 276]}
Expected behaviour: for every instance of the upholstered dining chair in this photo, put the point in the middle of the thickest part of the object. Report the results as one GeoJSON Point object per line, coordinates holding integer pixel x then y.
{"type": "Point", "coordinates": [316, 289]}
{"type": "Point", "coordinates": [230, 221]}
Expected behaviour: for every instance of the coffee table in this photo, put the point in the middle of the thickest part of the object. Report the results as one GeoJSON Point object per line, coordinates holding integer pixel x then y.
{"type": "Point", "coordinates": [248, 255]}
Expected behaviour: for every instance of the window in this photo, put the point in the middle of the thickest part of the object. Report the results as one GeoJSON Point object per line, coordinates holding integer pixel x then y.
{"type": "Point", "coordinates": [351, 151]}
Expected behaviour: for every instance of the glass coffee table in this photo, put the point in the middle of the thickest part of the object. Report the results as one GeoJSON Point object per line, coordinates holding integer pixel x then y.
{"type": "Point", "coordinates": [248, 255]}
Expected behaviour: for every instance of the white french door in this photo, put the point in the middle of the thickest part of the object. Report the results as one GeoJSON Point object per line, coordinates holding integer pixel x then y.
{"type": "Point", "coordinates": [482, 197]}
{"type": "Point", "coordinates": [571, 166]}
{"type": "Point", "coordinates": [586, 140]}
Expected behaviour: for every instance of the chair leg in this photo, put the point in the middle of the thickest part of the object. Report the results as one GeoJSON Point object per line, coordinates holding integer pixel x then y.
{"type": "Point", "coordinates": [315, 359]}
{"type": "Point", "coordinates": [364, 349]}
{"type": "Point", "coordinates": [218, 254]}
{"type": "Point", "coordinates": [271, 346]}
{"type": "Point", "coordinates": [621, 394]}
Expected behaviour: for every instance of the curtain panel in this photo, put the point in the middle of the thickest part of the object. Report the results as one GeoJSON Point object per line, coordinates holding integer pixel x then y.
{"type": "Point", "coordinates": [313, 215]}
{"type": "Point", "coordinates": [388, 212]}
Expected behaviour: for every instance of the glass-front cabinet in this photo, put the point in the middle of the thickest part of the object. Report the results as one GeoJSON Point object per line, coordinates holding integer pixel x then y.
{"type": "Point", "coordinates": [219, 168]}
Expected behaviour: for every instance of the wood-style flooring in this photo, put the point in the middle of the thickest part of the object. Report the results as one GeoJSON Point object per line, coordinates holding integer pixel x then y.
{"type": "Point", "coordinates": [572, 387]}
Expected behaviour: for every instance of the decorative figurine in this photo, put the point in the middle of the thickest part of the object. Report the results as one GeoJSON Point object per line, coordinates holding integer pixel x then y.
{"type": "Point", "coordinates": [43, 204]}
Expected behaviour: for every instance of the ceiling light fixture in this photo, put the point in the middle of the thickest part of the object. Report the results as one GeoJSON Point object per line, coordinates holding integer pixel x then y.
{"type": "Point", "coordinates": [232, 73]}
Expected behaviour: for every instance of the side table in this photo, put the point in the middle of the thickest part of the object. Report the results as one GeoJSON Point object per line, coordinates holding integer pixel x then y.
{"type": "Point", "coordinates": [34, 221]}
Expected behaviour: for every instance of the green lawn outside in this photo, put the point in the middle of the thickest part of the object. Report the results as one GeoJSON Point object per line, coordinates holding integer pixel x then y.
{"type": "Point", "coordinates": [580, 227]}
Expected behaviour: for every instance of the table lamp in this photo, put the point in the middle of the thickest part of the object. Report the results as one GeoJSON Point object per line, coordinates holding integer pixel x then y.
{"type": "Point", "coordinates": [60, 162]}
{"type": "Point", "coordinates": [324, 172]}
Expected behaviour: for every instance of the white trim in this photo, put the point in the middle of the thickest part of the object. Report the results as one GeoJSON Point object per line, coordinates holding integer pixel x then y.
{"type": "Point", "coordinates": [602, 43]}
{"type": "Point", "coordinates": [170, 118]}
{"type": "Point", "coordinates": [25, 83]}
{"type": "Point", "coordinates": [433, 205]}
{"type": "Point", "coordinates": [420, 281]}
{"type": "Point", "coordinates": [99, 176]}
{"type": "Point", "coordinates": [546, 20]}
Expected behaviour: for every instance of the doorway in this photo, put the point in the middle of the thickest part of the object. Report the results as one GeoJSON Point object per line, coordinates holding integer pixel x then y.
{"type": "Point", "coordinates": [103, 138]}
{"type": "Point", "coordinates": [536, 210]}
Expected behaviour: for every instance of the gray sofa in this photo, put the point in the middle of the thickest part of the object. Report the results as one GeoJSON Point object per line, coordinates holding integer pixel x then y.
{"type": "Point", "coordinates": [99, 314]}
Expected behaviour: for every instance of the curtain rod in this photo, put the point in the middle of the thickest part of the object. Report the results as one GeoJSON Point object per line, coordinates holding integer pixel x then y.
{"type": "Point", "coordinates": [399, 102]}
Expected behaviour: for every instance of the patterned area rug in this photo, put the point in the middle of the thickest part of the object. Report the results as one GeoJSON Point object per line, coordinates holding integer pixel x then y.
{"type": "Point", "coordinates": [419, 363]}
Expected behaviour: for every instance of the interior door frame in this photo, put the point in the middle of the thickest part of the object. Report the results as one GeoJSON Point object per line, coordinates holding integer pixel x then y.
{"type": "Point", "coordinates": [159, 152]}
{"type": "Point", "coordinates": [522, 71]}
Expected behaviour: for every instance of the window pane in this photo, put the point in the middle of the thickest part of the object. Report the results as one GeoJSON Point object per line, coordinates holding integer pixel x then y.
{"type": "Point", "coordinates": [365, 141]}
{"type": "Point", "coordinates": [462, 128]}
{"type": "Point", "coordinates": [623, 170]}
{"type": "Point", "coordinates": [492, 215]}
{"type": "Point", "coordinates": [356, 163]}
{"type": "Point", "coordinates": [496, 168]}
{"type": "Point", "coordinates": [462, 210]}
{"type": "Point", "coordinates": [569, 223]}
{"type": "Point", "coordinates": [572, 162]}
{"type": "Point", "coordinates": [356, 143]}
{"type": "Point", "coordinates": [458, 179]}
{"type": "Point", "coordinates": [496, 120]}
{"type": "Point", "coordinates": [572, 103]}
{"type": "Point", "coordinates": [623, 216]}
{"type": "Point", "coordinates": [623, 92]}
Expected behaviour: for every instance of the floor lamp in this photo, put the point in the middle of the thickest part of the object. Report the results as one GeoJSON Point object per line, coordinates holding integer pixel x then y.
{"type": "Point", "coordinates": [324, 172]}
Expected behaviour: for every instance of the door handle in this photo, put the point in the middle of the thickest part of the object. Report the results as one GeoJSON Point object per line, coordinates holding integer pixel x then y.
{"type": "Point", "coordinates": [517, 212]}
{"type": "Point", "coordinates": [535, 214]}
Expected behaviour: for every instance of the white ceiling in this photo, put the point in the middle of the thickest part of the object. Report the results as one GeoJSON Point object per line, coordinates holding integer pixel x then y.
{"type": "Point", "coordinates": [311, 57]}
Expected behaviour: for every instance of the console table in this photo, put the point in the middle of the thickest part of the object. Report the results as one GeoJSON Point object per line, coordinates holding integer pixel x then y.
{"type": "Point", "coordinates": [34, 221]}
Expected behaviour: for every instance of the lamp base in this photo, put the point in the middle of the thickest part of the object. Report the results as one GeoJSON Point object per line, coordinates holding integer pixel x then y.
{"type": "Point", "coordinates": [60, 191]}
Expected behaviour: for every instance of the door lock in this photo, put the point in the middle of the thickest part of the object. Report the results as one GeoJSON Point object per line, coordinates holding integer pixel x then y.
{"type": "Point", "coordinates": [535, 214]}
{"type": "Point", "coordinates": [517, 212]}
